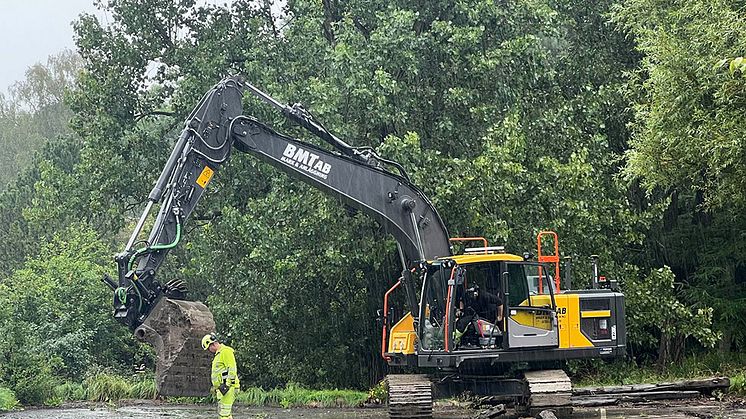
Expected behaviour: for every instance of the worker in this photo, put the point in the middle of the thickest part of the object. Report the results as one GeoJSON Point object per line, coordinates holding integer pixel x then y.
{"type": "Point", "coordinates": [224, 375]}
{"type": "Point", "coordinates": [480, 303]}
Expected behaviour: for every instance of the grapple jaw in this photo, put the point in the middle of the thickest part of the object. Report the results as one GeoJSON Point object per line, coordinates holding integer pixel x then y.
{"type": "Point", "coordinates": [175, 329]}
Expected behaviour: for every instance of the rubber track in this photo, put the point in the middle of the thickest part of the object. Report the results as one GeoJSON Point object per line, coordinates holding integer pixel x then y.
{"type": "Point", "coordinates": [410, 396]}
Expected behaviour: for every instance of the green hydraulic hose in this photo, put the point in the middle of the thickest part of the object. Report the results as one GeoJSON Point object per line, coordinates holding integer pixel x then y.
{"type": "Point", "coordinates": [149, 249]}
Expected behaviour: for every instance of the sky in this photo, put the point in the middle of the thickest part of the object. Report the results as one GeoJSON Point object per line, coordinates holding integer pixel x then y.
{"type": "Point", "coordinates": [32, 30]}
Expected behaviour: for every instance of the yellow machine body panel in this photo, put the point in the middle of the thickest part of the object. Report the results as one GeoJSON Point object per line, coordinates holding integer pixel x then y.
{"type": "Point", "coordinates": [403, 337]}
{"type": "Point", "coordinates": [485, 257]}
{"type": "Point", "coordinates": [568, 318]}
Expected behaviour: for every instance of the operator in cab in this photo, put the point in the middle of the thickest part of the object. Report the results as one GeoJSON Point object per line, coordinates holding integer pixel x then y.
{"type": "Point", "coordinates": [482, 304]}
{"type": "Point", "coordinates": [224, 375]}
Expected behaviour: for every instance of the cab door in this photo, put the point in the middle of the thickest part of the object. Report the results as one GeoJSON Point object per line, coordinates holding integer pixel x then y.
{"type": "Point", "coordinates": [531, 319]}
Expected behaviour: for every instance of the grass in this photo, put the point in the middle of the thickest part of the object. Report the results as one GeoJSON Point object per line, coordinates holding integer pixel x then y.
{"type": "Point", "coordinates": [296, 396]}
{"type": "Point", "coordinates": [738, 383]}
{"type": "Point", "coordinates": [144, 389]}
{"type": "Point", "coordinates": [105, 387]}
{"type": "Point", "coordinates": [8, 399]}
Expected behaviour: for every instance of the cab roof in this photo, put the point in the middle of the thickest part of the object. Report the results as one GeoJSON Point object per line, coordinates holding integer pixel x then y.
{"type": "Point", "coordinates": [465, 259]}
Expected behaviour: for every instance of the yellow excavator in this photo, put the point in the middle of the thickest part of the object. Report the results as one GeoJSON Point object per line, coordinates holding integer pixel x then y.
{"type": "Point", "coordinates": [464, 319]}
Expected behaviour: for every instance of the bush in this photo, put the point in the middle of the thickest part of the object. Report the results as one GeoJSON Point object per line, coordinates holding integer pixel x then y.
{"type": "Point", "coordinates": [35, 387]}
{"type": "Point", "coordinates": [70, 392]}
{"type": "Point", "coordinates": [8, 399]}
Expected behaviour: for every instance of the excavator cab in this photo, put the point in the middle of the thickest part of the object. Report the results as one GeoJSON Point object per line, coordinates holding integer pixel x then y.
{"type": "Point", "coordinates": [491, 301]}
{"type": "Point", "coordinates": [527, 317]}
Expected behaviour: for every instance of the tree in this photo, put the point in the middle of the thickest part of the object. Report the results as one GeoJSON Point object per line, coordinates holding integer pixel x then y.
{"type": "Point", "coordinates": [688, 118]}
{"type": "Point", "coordinates": [35, 112]}
{"type": "Point", "coordinates": [687, 148]}
{"type": "Point", "coordinates": [55, 317]}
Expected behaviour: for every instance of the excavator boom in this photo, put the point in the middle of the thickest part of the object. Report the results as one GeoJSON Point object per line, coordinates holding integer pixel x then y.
{"type": "Point", "coordinates": [159, 313]}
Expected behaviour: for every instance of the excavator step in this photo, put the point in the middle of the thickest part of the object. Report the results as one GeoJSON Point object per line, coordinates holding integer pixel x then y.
{"type": "Point", "coordinates": [175, 329]}
{"type": "Point", "coordinates": [410, 396]}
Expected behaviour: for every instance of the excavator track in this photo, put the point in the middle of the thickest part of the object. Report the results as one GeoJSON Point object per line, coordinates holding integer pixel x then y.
{"type": "Point", "coordinates": [548, 390]}
{"type": "Point", "coordinates": [410, 396]}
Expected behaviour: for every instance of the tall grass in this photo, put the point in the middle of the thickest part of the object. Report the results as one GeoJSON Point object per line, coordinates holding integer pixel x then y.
{"type": "Point", "coordinates": [295, 396]}
{"type": "Point", "coordinates": [104, 387]}
{"type": "Point", "coordinates": [70, 392]}
{"type": "Point", "coordinates": [143, 389]}
{"type": "Point", "coordinates": [8, 399]}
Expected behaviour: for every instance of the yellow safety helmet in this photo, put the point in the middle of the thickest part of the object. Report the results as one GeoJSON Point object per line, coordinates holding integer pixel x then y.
{"type": "Point", "coordinates": [208, 340]}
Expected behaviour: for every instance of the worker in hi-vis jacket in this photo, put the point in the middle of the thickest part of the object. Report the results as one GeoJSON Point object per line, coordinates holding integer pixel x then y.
{"type": "Point", "coordinates": [224, 375]}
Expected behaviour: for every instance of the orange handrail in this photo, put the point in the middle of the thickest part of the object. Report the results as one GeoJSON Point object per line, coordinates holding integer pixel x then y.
{"type": "Point", "coordinates": [386, 318]}
{"type": "Point", "coordinates": [553, 258]}
{"type": "Point", "coordinates": [448, 310]}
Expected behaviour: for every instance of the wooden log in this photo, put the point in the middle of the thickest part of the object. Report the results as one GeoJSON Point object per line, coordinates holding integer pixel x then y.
{"type": "Point", "coordinates": [595, 401]}
{"type": "Point", "coordinates": [493, 412]}
{"type": "Point", "coordinates": [704, 385]}
{"type": "Point", "coordinates": [631, 397]}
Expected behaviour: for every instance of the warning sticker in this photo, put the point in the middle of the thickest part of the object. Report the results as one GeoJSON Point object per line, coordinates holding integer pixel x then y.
{"type": "Point", "coordinates": [205, 176]}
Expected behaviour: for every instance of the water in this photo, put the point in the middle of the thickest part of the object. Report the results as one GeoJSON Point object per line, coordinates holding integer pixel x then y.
{"type": "Point", "coordinates": [154, 410]}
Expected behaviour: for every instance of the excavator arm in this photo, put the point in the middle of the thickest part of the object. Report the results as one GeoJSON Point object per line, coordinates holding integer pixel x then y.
{"type": "Point", "coordinates": [159, 313]}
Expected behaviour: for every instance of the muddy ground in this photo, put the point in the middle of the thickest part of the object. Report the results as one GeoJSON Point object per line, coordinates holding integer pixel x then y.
{"type": "Point", "coordinates": [698, 409]}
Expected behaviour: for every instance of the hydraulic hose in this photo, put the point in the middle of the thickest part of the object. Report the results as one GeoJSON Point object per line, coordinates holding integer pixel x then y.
{"type": "Point", "coordinates": [155, 247]}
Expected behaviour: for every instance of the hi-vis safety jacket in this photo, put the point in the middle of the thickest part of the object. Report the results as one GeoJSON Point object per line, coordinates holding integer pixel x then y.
{"type": "Point", "coordinates": [224, 368]}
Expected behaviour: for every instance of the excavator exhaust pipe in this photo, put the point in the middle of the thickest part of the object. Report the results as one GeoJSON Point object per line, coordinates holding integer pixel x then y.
{"type": "Point", "coordinates": [175, 329]}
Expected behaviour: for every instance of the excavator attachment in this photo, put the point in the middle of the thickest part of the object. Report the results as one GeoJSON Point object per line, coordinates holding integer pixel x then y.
{"type": "Point", "coordinates": [175, 329]}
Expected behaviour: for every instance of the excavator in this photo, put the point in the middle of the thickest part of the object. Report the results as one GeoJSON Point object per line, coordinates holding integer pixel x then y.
{"type": "Point", "coordinates": [479, 320]}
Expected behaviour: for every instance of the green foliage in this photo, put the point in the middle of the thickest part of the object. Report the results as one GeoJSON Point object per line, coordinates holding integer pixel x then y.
{"type": "Point", "coordinates": [143, 389]}
{"type": "Point", "coordinates": [379, 393]}
{"type": "Point", "coordinates": [738, 383]}
{"type": "Point", "coordinates": [70, 391]}
{"type": "Point", "coordinates": [693, 366]}
{"type": "Point", "coordinates": [106, 387]}
{"type": "Point", "coordinates": [8, 399]}
{"type": "Point", "coordinates": [32, 380]}
{"type": "Point", "coordinates": [55, 316]}
{"type": "Point", "coordinates": [295, 396]}
{"type": "Point", "coordinates": [690, 104]}
{"type": "Point", "coordinates": [655, 310]}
